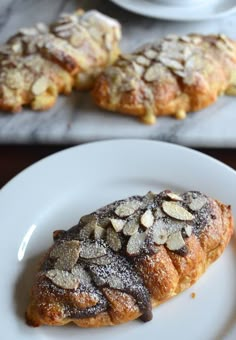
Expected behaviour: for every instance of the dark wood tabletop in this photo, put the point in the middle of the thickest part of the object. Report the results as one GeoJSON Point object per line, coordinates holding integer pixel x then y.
{"type": "Point", "coordinates": [15, 158]}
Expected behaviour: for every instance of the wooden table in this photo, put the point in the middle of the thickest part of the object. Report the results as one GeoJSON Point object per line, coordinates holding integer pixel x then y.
{"type": "Point", "coordinates": [15, 158]}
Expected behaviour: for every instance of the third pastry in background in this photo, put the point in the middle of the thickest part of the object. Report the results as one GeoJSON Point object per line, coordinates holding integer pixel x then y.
{"type": "Point", "coordinates": [171, 77]}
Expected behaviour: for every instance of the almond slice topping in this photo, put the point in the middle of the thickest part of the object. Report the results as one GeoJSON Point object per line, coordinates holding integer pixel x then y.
{"type": "Point", "coordinates": [63, 279]}
{"type": "Point", "coordinates": [174, 210]}
{"type": "Point", "coordinates": [197, 203]}
{"type": "Point", "coordinates": [117, 224]}
{"type": "Point", "coordinates": [92, 250]}
{"type": "Point", "coordinates": [113, 239]}
{"type": "Point", "coordinates": [175, 241]}
{"type": "Point", "coordinates": [127, 208]}
{"type": "Point", "coordinates": [147, 219]}
{"type": "Point", "coordinates": [67, 254]}
{"type": "Point", "coordinates": [174, 196]}
{"type": "Point", "coordinates": [130, 228]}
{"type": "Point", "coordinates": [135, 243]}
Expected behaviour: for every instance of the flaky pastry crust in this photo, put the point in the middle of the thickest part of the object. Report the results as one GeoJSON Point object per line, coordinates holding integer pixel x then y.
{"type": "Point", "coordinates": [38, 63]}
{"type": "Point", "coordinates": [154, 272]}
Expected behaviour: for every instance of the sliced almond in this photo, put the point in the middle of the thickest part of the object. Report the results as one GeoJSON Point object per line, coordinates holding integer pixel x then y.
{"type": "Point", "coordinates": [127, 208]}
{"type": "Point", "coordinates": [154, 72]}
{"type": "Point", "coordinates": [159, 235]}
{"type": "Point", "coordinates": [150, 54]}
{"type": "Point", "coordinates": [174, 210]}
{"type": "Point", "coordinates": [188, 230]}
{"type": "Point", "coordinates": [174, 196]}
{"type": "Point", "coordinates": [135, 243]}
{"type": "Point", "coordinates": [92, 250]}
{"type": "Point", "coordinates": [175, 241]}
{"type": "Point", "coordinates": [99, 232]}
{"type": "Point", "coordinates": [101, 261]}
{"type": "Point", "coordinates": [186, 38]}
{"type": "Point", "coordinates": [88, 229]}
{"type": "Point", "coordinates": [142, 60]}
{"type": "Point", "coordinates": [198, 203]}
{"type": "Point", "coordinates": [66, 253]}
{"type": "Point", "coordinates": [117, 224]}
{"type": "Point", "coordinates": [131, 227]}
{"type": "Point", "coordinates": [147, 219]}
{"type": "Point", "coordinates": [63, 279]}
{"type": "Point", "coordinates": [113, 239]}
{"type": "Point", "coordinates": [171, 63]}
{"type": "Point", "coordinates": [82, 275]}
{"type": "Point", "coordinates": [138, 69]}
{"type": "Point", "coordinates": [40, 86]}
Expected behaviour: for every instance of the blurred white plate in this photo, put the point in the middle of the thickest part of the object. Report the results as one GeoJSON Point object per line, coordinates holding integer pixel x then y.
{"type": "Point", "coordinates": [211, 9]}
{"type": "Point", "coordinates": [56, 191]}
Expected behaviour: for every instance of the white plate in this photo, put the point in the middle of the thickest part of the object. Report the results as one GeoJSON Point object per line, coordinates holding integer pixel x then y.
{"type": "Point", "coordinates": [211, 9]}
{"type": "Point", "coordinates": [56, 191]}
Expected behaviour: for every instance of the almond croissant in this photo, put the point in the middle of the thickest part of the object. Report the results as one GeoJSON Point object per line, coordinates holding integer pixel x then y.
{"type": "Point", "coordinates": [38, 63]}
{"type": "Point", "coordinates": [170, 77]}
{"type": "Point", "coordinates": [128, 257]}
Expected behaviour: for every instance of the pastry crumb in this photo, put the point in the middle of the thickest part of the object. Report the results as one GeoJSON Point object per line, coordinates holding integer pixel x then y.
{"type": "Point", "coordinates": [193, 295]}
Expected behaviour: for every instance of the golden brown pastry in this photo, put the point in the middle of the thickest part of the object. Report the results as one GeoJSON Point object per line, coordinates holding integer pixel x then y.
{"type": "Point", "coordinates": [124, 258]}
{"type": "Point", "coordinates": [38, 63]}
{"type": "Point", "coordinates": [170, 77]}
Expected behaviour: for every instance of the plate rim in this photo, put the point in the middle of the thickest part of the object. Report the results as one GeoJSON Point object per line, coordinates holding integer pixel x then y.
{"type": "Point", "coordinates": [135, 9]}
{"type": "Point", "coordinates": [111, 141]}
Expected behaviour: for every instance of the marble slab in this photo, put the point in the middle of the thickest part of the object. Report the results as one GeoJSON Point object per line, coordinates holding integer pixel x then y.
{"type": "Point", "coordinates": [75, 119]}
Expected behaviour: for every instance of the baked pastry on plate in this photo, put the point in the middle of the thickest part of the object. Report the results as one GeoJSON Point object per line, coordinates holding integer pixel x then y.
{"type": "Point", "coordinates": [170, 77]}
{"type": "Point", "coordinates": [40, 62]}
{"type": "Point", "coordinates": [127, 257]}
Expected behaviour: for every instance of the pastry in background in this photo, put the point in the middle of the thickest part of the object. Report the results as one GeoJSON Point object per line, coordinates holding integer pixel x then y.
{"type": "Point", "coordinates": [40, 62]}
{"type": "Point", "coordinates": [171, 77]}
{"type": "Point", "coordinates": [127, 257]}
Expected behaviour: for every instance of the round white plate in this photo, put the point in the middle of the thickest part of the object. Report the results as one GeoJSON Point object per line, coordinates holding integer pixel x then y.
{"type": "Point", "coordinates": [56, 191]}
{"type": "Point", "coordinates": [210, 9]}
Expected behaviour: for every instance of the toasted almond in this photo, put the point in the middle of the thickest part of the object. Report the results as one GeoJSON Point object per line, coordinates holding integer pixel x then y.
{"type": "Point", "coordinates": [174, 210]}
{"type": "Point", "coordinates": [117, 224]}
{"type": "Point", "coordinates": [159, 235]}
{"type": "Point", "coordinates": [66, 253]}
{"type": "Point", "coordinates": [175, 241]}
{"type": "Point", "coordinates": [197, 203]}
{"type": "Point", "coordinates": [150, 54]}
{"type": "Point", "coordinates": [40, 85]}
{"type": "Point", "coordinates": [154, 72]}
{"type": "Point", "coordinates": [88, 229]}
{"type": "Point", "coordinates": [171, 63]}
{"type": "Point", "coordinates": [99, 232]}
{"type": "Point", "coordinates": [63, 279]}
{"type": "Point", "coordinates": [113, 239]}
{"type": "Point", "coordinates": [174, 197]}
{"type": "Point", "coordinates": [92, 250]}
{"type": "Point", "coordinates": [142, 60]}
{"type": "Point", "coordinates": [127, 208]}
{"type": "Point", "coordinates": [82, 275]}
{"type": "Point", "coordinates": [135, 243]}
{"type": "Point", "coordinates": [138, 69]}
{"type": "Point", "coordinates": [147, 219]}
{"type": "Point", "coordinates": [188, 230]}
{"type": "Point", "coordinates": [130, 228]}
{"type": "Point", "coordinates": [101, 261]}
{"type": "Point", "coordinates": [186, 39]}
